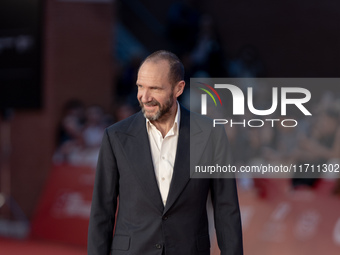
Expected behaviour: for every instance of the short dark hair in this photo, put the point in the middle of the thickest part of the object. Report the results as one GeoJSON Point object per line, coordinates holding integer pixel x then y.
{"type": "Point", "coordinates": [176, 70]}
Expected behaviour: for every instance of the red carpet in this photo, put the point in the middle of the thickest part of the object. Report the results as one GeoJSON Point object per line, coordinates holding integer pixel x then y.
{"type": "Point", "coordinates": [37, 247]}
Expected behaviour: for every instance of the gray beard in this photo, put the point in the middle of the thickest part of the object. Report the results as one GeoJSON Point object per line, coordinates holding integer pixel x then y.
{"type": "Point", "coordinates": [161, 111]}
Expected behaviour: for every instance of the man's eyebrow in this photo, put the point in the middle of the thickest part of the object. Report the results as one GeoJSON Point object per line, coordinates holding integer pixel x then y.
{"type": "Point", "coordinates": [156, 87]}
{"type": "Point", "coordinates": [152, 87]}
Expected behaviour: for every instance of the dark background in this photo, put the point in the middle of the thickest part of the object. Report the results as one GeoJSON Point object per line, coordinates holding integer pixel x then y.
{"type": "Point", "coordinates": [21, 31]}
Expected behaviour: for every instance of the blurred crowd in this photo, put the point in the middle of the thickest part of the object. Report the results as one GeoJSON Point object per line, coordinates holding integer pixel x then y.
{"type": "Point", "coordinates": [79, 133]}
{"type": "Point", "coordinates": [194, 37]}
{"type": "Point", "coordinates": [81, 129]}
{"type": "Point", "coordinates": [314, 141]}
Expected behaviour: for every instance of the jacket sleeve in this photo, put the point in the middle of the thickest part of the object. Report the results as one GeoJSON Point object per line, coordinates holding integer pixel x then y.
{"type": "Point", "coordinates": [104, 201]}
{"type": "Point", "coordinates": [225, 202]}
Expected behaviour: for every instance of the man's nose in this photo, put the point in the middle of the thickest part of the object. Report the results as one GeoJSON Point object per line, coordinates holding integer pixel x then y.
{"type": "Point", "coordinates": [145, 96]}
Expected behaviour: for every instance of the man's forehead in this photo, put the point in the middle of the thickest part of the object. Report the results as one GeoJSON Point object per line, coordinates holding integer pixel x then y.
{"type": "Point", "coordinates": [155, 64]}
{"type": "Point", "coordinates": [154, 69]}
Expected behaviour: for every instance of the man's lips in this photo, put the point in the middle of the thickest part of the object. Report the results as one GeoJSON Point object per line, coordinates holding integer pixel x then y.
{"type": "Point", "coordinates": [149, 106]}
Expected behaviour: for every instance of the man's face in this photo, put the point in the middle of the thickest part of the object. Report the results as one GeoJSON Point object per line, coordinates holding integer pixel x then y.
{"type": "Point", "coordinates": [155, 92]}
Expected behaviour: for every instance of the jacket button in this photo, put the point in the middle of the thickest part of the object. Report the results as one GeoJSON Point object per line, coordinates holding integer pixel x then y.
{"type": "Point", "coordinates": [158, 246]}
{"type": "Point", "coordinates": [165, 217]}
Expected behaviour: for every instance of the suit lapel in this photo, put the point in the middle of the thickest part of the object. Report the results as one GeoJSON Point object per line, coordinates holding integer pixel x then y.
{"type": "Point", "coordinates": [190, 147]}
{"type": "Point", "coordinates": [136, 145]}
{"type": "Point", "coordinates": [181, 173]}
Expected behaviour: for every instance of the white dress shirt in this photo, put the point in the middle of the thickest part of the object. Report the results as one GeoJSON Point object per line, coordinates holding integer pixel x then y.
{"type": "Point", "coordinates": [163, 151]}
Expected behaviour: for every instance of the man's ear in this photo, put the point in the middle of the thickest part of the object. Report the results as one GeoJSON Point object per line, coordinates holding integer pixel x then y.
{"type": "Point", "coordinates": [179, 88]}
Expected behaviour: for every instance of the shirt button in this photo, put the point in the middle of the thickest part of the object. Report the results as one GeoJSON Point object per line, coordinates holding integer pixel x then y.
{"type": "Point", "coordinates": [163, 179]}
{"type": "Point", "coordinates": [158, 246]}
{"type": "Point", "coordinates": [163, 157]}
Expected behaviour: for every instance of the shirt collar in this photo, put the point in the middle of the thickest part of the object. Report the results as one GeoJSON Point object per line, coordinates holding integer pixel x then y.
{"type": "Point", "coordinates": [176, 124]}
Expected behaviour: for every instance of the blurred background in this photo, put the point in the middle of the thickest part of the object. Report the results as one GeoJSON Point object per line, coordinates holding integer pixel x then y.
{"type": "Point", "coordinates": [68, 70]}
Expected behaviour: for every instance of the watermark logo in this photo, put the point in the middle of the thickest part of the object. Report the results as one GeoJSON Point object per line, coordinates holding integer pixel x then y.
{"type": "Point", "coordinates": [238, 100]}
{"type": "Point", "coordinates": [280, 98]}
{"type": "Point", "coordinates": [204, 97]}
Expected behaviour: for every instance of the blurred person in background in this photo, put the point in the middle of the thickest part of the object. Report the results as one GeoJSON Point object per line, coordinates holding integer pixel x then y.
{"type": "Point", "coordinates": [70, 129]}
{"type": "Point", "coordinates": [72, 122]}
{"type": "Point", "coordinates": [87, 152]}
{"type": "Point", "coordinates": [82, 145]}
{"type": "Point", "coordinates": [94, 127]}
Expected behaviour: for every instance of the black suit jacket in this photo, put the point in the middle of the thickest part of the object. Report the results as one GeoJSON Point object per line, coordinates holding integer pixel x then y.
{"type": "Point", "coordinates": [143, 225]}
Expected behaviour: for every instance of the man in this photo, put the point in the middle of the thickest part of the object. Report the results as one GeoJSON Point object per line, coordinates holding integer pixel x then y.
{"type": "Point", "coordinates": [145, 160]}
